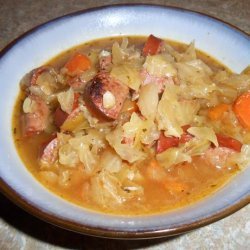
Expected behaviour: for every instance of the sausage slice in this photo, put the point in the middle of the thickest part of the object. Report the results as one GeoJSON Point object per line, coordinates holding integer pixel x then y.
{"type": "Point", "coordinates": [94, 91]}
{"type": "Point", "coordinates": [37, 120]}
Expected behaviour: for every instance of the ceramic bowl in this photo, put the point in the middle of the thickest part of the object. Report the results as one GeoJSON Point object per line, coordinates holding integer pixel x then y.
{"type": "Point", "coordinates": [226, 43]}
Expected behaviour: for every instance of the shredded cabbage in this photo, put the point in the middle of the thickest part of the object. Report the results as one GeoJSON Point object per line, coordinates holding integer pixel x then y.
{"type": "Point", "coordinates": [66, 100]}
{"type": "Point", "coordinates": [107, 191]}
{"type": "Point", "coordinates": [158, 66]}
{"type": "Point", "coordinates": [148, 100]}
{"type": "Point", "coordinates": [241, 159]}
{"type": "Point", "coordinates": [128, 75]}
{"type": "Point", "coordinates": [172, 156]}
{"type": "Point", "coordinates": [111, 161]}
{"type": "Point", "coordinates": [125, 151]}
{"type": "Point", "coordinates": [204, 133]}
{"type": "Point", "coordinates": [173, 114]}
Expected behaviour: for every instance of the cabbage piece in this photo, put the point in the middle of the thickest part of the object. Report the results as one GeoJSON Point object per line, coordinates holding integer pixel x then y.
{"type": "Point", "coordinates": [29, 105]}
{"type": "Point", "coordinates": [88, 158]}
{"type": "Point", "coordinates": [172, 156]}
{"type": "Point", "coordinates": [183, 153]}
{"type": "Point", "coordinates": [66, 100]}
{"type": "Point", "coordinates": [68, 156]}
{"type": "Point", "coordinates": [125, 151]}
{"type": "Point", "coordinates": [189, 54]}
{"type": "Point", "coordinates": [149, 133]}
{"type": "Point", "coordinates": [132, 127]}
{"type": "Point", "coordinates": [241, 82]}
{"type": "Point", "coordinates": [200, 65]}
{"type": "Point", "coordinates": [148, 100]}
{"type": "Point", "coordinates": [87, 75]}
{"type": "Point", "coordinates": [96, 139]}
{"type": "Point", "coordinates": [64, 178]}
{"type": "Point", "coordinates": [157, 65]}
{"type": "Point", "coordinates": [87, 147]}
{"type": "Point", "coordinates": [204, 133]}
{"type": "Point", "coordinates": [117, 54]}
{"type": "Point", "coordinates": [195, 81]}
{"type": "Point", "coordinates": [221, 76]}
{"type": "Point", "coordinates": [124, 52]}
{"type": "Point", "coordinates": [127, 74]}
{"type": "Point", "coordinates": [75, 122]}
{"type": "Point", "coordinates": [129, 172]}
{"type": "Point", "coordinates": [48, 81]}
{"type": "Point", "coordinates": [48, 176]}
{"type": "Point", "coordinates": [172, 114]}
{"type": "Point", "coordinates": [171, 51]}
{"type": "Point", "coordinates": [195, 147]}
{"type": "Point", "coordinates": [140, 131]}
{"type": "Point", "coordinates": [111, 161]}
{"type": "Point", "coordinates": [241, 159]}
{"type": "Point", "coordinates": [106, 190]}
{"type": "Point", "coordinates": [93, 121]}
{"type": "Point", "coordinates": [63, 138]}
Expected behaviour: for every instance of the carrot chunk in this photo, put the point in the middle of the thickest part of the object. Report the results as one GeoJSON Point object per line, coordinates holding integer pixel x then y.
{"type": "Point", "coordinates": [241, 109]}
{"type": "Point", "coordinates": [229, 142]}
{"type": "Point", "coordinates": [152, 46]}
{"type": "Point", "coordinates": [77, 64]}
{"type": "Point", "coordinates": [216, 112]}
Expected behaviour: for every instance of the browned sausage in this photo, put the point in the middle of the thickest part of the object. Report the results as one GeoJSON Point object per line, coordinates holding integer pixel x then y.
{"type": "Point", "coordinates": [93, 96]}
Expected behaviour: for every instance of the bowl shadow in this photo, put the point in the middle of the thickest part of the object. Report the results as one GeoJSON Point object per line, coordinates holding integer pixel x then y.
{"type": "Point", "coordinates": [49, 234]}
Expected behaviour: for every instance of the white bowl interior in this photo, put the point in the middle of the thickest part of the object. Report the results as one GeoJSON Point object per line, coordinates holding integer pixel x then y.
{"type": "Point", "coordinates": [217, 39]}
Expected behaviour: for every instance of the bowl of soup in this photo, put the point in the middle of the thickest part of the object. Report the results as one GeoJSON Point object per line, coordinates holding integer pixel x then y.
{"type": "Point", "coordinates": [128, 121]}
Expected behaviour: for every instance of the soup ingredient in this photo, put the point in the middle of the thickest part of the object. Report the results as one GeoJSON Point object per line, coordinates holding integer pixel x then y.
{"type": "Point", "coordinates": [97, 88]}
{"type": "Point", "coordinates": [242, 109]}
{"type": "Point", "coordinates": [165, 143]}
{"type": "Point", "coordinates": [216, 112]}
{"type": "Point", "coordinates": [77, 64]}
{"type": "Point", "coordinates": [35, 117]}
{"type": "Point", "coordinates": [152, 45]}
{"type": "Point", "coordinates": [228, 142]}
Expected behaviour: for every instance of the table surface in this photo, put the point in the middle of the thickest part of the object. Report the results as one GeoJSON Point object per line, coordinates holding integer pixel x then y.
{"type": "Point", "coordinates": [19, 230]}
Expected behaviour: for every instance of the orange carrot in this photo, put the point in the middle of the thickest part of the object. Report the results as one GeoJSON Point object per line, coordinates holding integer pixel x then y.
{"type": "Point", "coordinates": [77, 64]}
{"type": "Point", "coordinates": [241, 109]}
{"type": "Point", "coordinates": [152, 46]}
{"type": "Point", "coordinates": [216, 112]}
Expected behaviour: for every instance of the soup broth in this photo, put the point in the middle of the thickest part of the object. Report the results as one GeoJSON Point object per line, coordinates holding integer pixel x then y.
{"type": "Point", "coordinates": [132, 125]}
